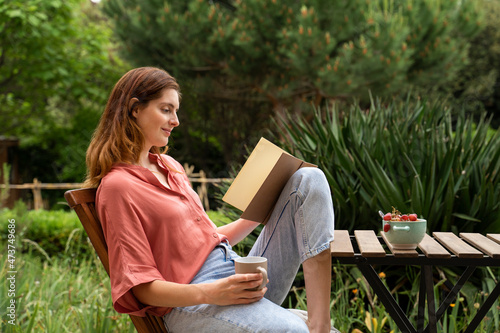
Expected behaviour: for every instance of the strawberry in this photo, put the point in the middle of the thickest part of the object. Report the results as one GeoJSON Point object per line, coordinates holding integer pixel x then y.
{"type": "Point", "coordinates": [387, 227]}
{"type": "Point", "coordinates": [404, 217]}
{"type": "Point", "coordinates": [387, 217]}
{"type": "Point", "coordinates": [413, 217]}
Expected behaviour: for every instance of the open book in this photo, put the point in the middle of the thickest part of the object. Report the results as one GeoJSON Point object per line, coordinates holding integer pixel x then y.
{"type": "Point", "coordinates": [260, 181]}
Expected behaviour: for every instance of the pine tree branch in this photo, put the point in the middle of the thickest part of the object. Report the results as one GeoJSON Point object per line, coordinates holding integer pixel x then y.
{"type": "Point", "coordinates": [223, 3]}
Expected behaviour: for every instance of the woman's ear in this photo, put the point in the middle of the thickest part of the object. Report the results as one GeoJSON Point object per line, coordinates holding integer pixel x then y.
{"type": "Point", "coordinates": [132, 106]}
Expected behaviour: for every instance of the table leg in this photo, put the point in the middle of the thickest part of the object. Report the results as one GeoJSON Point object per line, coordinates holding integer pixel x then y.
{"type": "Point", "coordinates": [484, 309]}
{"type": "Point", "coordinates": [421, 304]}
{"type": "Point", "coordinates": [387, 299]}
{"type": "Point", "coordinates": [431, 305]}
{"type": "Point", "coordinates": [452, 295]}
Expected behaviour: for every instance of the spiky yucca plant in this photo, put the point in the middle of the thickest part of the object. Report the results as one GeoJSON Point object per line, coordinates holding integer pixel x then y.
{"type": "Point", "coordinates": [409, 154]}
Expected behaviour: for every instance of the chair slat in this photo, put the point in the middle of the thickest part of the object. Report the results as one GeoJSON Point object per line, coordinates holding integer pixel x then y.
{"type": "Point", "coordinates": [453, 243]}
{"type": "Point", "coordinates": [368, 243]}
{"type": "Point", "coordinates": [341, 245]}
{"type": "Point", "coordinates": [81, 196]}
{"type": "Point", "coordinates": [483, 243]}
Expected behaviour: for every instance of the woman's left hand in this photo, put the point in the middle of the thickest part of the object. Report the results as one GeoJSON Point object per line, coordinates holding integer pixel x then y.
{"type": "Point", "coordinates": [234, 290]}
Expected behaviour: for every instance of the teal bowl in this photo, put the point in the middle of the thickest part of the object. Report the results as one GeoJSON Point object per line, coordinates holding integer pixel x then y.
{"type": "Point", "coordinates": [405, 235]}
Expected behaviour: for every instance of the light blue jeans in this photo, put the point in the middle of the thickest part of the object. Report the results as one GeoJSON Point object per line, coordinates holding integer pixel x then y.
{"type": "Point", "coordinates": [300, 227]}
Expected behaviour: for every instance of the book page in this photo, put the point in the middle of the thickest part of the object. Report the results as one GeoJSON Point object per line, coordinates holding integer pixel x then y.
{"type": "Point", "coordinates": [253, 174]}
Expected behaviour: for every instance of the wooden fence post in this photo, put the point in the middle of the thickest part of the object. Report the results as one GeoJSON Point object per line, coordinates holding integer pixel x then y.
{"type": "Point", "coordinates": [37, 195]}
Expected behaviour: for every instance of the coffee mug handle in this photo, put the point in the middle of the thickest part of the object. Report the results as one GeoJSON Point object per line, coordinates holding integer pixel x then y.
{"type": "Point", "coordinates": [263, 271]}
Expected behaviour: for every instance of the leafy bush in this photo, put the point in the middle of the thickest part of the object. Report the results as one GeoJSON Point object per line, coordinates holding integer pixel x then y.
{"type": "Point", "coordinates": [409, 154]}
{"type": "Point", "coordinates": [51, 233]}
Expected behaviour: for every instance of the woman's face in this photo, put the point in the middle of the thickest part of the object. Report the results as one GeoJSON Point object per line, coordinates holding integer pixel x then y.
{"type": "Point", "coordinates": [158, 118]}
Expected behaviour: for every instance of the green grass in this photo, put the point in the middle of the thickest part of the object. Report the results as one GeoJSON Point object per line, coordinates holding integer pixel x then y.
{"type": "Point", "coordinates": [62, 295]}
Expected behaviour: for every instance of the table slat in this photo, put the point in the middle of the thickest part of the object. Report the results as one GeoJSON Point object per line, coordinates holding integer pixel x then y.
{"type": "Point", "coordinates": [341, 245]}
{"type": "Point", "coordinates": [433, 249]}
{"type": "Point", "coordinates": [453, 243]}
{"type": "Point", "coordinates": [368, 243]}
{"type": "Point", "coordinates": [398, 253]}
{"type": "Point", "coordinates": [482, 243]}
{"type": "Point", "coordinates": [495, 237]}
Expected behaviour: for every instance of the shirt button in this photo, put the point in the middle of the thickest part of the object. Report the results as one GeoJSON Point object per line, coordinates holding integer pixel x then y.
{"type": "Point", "coordinates": [198, 219]}
{"type": "Point", "coordinates": [183, 198]}
{"type": "Point", "coordinates": [215, 235]}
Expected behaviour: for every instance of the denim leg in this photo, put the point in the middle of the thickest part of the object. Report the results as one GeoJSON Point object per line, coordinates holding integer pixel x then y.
{"type": "Point", "coordinates": [300, 227]}
{"type": "Point", "coordinates": [261, 316]}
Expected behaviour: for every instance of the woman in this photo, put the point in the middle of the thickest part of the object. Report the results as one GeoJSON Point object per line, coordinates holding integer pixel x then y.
{"type": "Point", "coordinates": [167, 257]}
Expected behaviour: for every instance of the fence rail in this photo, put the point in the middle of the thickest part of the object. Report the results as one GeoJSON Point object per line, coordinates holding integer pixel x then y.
{"type": "Point", "coordinates": [37, 186]}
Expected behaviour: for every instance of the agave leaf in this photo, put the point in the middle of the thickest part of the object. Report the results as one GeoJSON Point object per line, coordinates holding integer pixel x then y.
{"type": "Point", "coordinates": [465, 217]}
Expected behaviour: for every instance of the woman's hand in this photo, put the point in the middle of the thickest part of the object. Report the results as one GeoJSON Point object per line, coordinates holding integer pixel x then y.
{"type": "Point", "coordinates": [233, 290]}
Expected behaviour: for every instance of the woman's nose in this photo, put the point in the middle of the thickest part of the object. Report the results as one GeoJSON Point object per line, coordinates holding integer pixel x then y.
{"type": "Point", "coordinates": [175, 120]}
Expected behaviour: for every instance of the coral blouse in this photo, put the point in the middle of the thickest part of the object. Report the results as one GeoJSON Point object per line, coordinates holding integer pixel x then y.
{"type": "Point", "coordinates": [152, 232]}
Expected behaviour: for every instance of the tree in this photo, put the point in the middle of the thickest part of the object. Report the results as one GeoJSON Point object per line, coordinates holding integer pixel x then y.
{"type": "Point", "coordinates": [478, 84]}
{"type": "Point", "coordinates": [251, 59]}
{"type": "Point", "coordinates": [56, 69]}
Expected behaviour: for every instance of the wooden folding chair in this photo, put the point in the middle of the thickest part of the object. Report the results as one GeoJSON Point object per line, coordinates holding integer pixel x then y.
{"type": "Point", "coordinates": [83, 202]}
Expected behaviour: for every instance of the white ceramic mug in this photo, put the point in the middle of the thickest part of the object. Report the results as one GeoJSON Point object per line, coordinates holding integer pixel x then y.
{"type": "Point", "coordinates": [245, 265]}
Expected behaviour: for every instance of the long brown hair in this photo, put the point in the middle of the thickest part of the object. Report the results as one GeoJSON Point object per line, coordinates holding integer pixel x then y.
{"type": "Point", "coordinates": [118, 138]}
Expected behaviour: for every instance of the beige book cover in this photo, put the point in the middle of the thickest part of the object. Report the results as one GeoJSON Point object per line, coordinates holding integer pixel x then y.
{"type": "Point", "coordinates": [260, 181]}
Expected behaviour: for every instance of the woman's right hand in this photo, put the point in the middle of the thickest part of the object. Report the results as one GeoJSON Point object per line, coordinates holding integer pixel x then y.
{"type": "Point", "coordinates": [234, 290]}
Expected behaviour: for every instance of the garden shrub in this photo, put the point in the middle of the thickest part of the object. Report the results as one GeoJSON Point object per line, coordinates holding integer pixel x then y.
{"type": "Point", "coordinates": [51, 233]}
{"type": "Point", "coordinates": [418, 156]}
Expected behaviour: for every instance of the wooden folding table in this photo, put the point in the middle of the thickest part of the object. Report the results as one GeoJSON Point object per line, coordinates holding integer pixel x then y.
{"type": "Point", "coordinates": [364, 249]}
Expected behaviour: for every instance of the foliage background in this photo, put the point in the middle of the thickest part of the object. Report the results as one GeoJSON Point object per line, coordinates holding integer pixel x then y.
{"type": "Point", "coordinates": [477, 87]}
{"type": "Point", "coordinates": [238, 68]}
{"type": "Point", "coordinates": [57, 66]}
{"type": "Point", "coordinates": [246, 75]}
{"type": "Point", "coordinates": [409, 154]}
{"type": "Point", "coordinates": [241, 67]}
